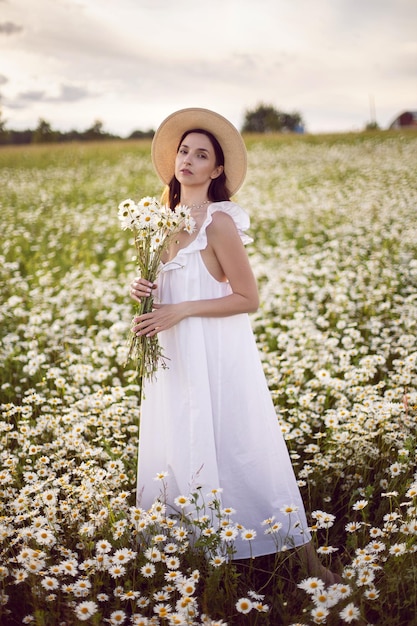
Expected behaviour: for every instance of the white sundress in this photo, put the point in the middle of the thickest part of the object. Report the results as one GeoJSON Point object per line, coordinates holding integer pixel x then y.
{"type": "Point", "coordinates": [208, 420]}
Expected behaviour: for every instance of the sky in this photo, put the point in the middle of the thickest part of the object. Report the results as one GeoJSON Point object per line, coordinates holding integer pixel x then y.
{"type": "Point", "coordinates": [130, 63]}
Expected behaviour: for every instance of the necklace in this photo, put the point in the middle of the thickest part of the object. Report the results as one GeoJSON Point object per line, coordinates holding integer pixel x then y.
{"type": "Point", "coordinates": [198, 206]}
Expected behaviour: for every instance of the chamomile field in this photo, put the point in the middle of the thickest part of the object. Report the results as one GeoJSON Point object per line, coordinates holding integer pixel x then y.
{"type": "Point", "coordinates": [334, 222]}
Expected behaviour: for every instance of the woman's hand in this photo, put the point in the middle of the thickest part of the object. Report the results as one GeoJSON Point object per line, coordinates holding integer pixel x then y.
{"type": "Point", "coordinates": [162, 317]}
{"type": "Point", "coordinates": [141, 288]}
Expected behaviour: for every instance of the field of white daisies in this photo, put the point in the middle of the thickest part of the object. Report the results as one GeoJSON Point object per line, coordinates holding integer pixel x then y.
{"type": "Point", "coordinates": [334, 221]}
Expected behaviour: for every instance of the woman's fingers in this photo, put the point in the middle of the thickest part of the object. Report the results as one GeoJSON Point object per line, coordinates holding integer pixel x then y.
{"type": "Point", "coordinates": [141, 288]}
{"type": "Point", "coordinates": [145, 325]}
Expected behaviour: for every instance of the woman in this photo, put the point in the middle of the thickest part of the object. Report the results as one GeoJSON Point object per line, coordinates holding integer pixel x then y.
{"type": "Point", "coordinates": [208, 420]}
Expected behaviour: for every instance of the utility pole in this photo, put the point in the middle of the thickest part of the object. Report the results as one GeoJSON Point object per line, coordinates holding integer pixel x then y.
{"type": "Point", "coordinates": [372, 109]}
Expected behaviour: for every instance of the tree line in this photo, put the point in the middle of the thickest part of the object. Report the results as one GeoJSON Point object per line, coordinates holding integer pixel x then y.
{"type": "Point", "coordinates": [262, 119]}
{"type": "Point", "coordinates": [44, 133]}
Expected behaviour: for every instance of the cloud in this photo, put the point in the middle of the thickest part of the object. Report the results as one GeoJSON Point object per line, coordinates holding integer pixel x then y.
{"type": "Point", "coordinates": [70, 93]}
{"type": "Point", "coordinates": [9, 28]}
{"type": "Point", "coordinates": [66, 94]}
{"type": "Point", "coordinates": [3, 79]}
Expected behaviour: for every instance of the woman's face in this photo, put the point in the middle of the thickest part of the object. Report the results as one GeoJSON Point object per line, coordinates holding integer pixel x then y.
{"type": "Point", "coordinates": [195, 163]}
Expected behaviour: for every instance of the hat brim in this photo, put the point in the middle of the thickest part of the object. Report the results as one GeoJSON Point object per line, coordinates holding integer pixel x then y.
{"type": "Point", "coordinates": [166, 139]}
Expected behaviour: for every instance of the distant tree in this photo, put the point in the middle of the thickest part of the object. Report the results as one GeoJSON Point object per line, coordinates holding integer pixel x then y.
{"type": "Point", "coordinates": [4, 135]}
{"type": "Point", "coordinates": [142, 134]}
{"type": "Point", "coordinates": [267, 119]}
{"type": "Point", "coordinates": [95, 132]}
{"type": "Point", "coordinates": [20, 137]}
{"type": "Point", "coordinates": [43, 133]}
{"type": "Point", "coordinates": [372, 126]}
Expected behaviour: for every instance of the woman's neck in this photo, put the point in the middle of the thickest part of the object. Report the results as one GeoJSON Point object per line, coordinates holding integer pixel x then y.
{"type": "Point", "coordinates": [195, 202]}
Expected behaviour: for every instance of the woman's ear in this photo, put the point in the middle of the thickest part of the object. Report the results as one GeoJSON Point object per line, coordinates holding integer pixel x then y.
{"type": "Point", "coordinates": [217, 171]}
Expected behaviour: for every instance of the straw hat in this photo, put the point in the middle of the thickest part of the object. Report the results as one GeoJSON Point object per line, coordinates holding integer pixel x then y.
{"type": "Point", "coordinates": [167, 137]}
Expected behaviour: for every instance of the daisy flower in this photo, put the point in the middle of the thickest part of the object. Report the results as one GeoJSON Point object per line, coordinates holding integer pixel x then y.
{"type": "Point", "coordinates": [103, 546]}
{"type": "Point", "coordinates": [172, 562]}
{"type": "Point", "coordinates": [319, 615]}
{"type": "Point", "coordinates": [102, 597]}
{"type": "Point", "coordinates": [85, 610]}
{"type": "Point", "coordinates": [182, 501]}
{"type": "Point", "coordinates": [311, 585]}
{"type": "Point", "coordinates": [397, 549]}
{"type": "Point", "coordinates": [352, 527]}
{"type": "Point", "coordinates": [186, 587]}
{"type": "Point", "coordinates": [228, 533]}
{"type": "Point", "coordinates": [116, 571]}
{"type": "Point", "coordinates": [228, 511]}
{"type": "Point", "coordinates": [248, 535]}
{"type": "Point", "coordinates": [372, 593]}
{"type": "Point", "coordinates": [162, 610]}
{"type": "Point", "coordinates": [117, 617]}
{"type": "Point", "coordinates": [161, 476]}
{"type": "Point", "coordinates": [360, 505]}
{"type": "Point", "coordinates": [244, 605]}
{"type": "Point", "coordinates": [350, 613]}
{"type": "Point", "coordinates": [153, 554]}
{"type": "Point", "coordinates": [326, 549]}
{"type": "Point", "coordinates": [148, 570]}
{"type": "Point", "coordinates": [49, 583]}
{"type": "Point", "coordinates": [288, 509]}
{"type": "Point", "coordinates": [161, 596]}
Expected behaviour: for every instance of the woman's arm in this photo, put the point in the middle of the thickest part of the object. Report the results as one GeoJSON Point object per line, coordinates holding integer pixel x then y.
{"type": "Point", "coordinates": [227, 256]}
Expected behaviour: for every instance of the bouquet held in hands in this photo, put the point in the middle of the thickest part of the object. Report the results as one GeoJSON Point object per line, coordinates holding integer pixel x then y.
{"type": "Point", "coordinates": [153, 226]}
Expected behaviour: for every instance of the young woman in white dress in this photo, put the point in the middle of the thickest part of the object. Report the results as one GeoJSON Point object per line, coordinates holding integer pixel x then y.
{"type": "Point", "coordinates": [208, 420]}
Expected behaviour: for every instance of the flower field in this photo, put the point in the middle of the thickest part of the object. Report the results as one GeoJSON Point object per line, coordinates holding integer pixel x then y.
{"type": "Point", "coordinates": [334, 220]}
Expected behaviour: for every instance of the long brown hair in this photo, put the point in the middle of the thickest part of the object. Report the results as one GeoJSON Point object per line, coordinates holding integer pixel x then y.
{"type": "Point", "coordinates": [217, 191]}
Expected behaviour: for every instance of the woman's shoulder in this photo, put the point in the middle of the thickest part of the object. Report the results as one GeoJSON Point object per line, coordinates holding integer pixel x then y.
{"type": "Point", "coordinates": [220, 213]}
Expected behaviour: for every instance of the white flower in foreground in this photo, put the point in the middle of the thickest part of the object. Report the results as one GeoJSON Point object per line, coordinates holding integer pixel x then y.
{"type": "Point", "coordinates": [85, 610]}
{"type": "Point", "coordinates": [412, 492]}
{"type": "Point", "coordinates": [288, 509]}
{"type": "Point", "coordinates": [182, 501]}
{"type": "Point", "coordinates": [248, 535]}
{"type": "Point", "coordinates": [350, 613]}
{"type": "Point", "coordinates": [311, 585]}
{"type": "Point", "coordinates": [116, 571]}
{"type": "Point", "coordinates": [49, 583]}
{"type": "Point", "coordinates": [244, 605]}
{"type": "Point", "coordinates": [103, 546]}
{"type": "Point", "coordinates": [161, 475]}
{"type": "Point", "coordinates": [117, 617]}
{"type": "Point", "coordinates": [360, 505]}
{"type": "Point", "coordinates": [229, 533]}
{"type": "Point", "coordinates": [319, 615]}
{"type": "Point", "coordinates": [397, 549]}
{"type": "Point", "coordinates": [148, 570]}
{"type": "Point", "coordinates": [326, 549]}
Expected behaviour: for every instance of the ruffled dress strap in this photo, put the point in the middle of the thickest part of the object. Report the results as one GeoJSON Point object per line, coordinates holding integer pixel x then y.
{"type": "Point", "coordinates": [238, 215]}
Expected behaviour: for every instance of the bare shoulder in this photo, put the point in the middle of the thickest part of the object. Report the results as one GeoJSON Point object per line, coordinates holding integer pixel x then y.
{"type": "Point", "coordinates": [221, 223]}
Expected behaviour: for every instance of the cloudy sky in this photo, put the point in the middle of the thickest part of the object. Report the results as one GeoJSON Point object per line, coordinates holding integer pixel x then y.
{"type": "Point", "coordinates": [129, 63]}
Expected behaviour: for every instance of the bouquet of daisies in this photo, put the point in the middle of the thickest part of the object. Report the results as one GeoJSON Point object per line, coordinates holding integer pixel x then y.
{"type": "Point", "coordinates": [153, 226]}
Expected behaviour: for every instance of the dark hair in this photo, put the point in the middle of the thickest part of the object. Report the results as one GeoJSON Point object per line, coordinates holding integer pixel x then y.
{"type": "Point", "coordinates": [217, 190]}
